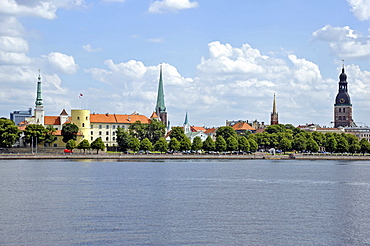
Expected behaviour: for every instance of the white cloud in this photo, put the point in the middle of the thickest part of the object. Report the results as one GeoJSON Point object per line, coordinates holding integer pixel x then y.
{"type": "Point", "coordinates": [156, 40]}
{"type": "Point", "coordinates": [344, 42]}
{"type": "Point", "coordinates": [62, 62]}
{"type": "Point", "coordinates": [89, 48]}
{"type": "Point", "coordinates": [45, 9]}
{"type": "Point", "coordinates": [360, 8]}
{"type": "Point", "coordinates": [172, 5]}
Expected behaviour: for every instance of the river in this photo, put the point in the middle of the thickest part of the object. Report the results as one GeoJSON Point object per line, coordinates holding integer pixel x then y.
{"type": "Point", "coordinates": [229, 202]}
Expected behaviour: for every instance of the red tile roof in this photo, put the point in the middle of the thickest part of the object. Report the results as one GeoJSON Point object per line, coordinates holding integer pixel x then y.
{"type": "Point", "coordinates": [198, 129]}
{"type": "Point", "coordinates": [242, 126]}
{"type": "Point", "coordinates": [51, 120]}
{"type": "Point", "coordinates": [118, 118]}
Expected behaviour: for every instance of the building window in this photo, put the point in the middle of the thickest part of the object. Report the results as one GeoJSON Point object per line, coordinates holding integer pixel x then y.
{"type": "Point", "coordinates": [99, 132]}
{"type": "Point", "coordinates": [55, 145]}
{"type": "Point", "coordinates": [100, 127]}
{"type": "Point", "coordinates": [92, 126]}
{"type": "Point", "coordinates": [114, 133]}
{"type": "Point", "coordinates": [92, 138]}
{"type": "Point", "coordinates": [344, 117]}
{"type": "Point", "coordinates": [83, 124]}
{"type": "Point", "coordinates": [340, 117]}
{"type": "Point", "coordinates": [107, 127]}
{"type": "Point", "coordinates": [107, 133]}
{"type": "Point", "coordinates": [114, 126]}
{"type": "Point", "coordinates": [114, 138]}
{"type": "Point", "coordinates": [87, 118]}
{"type": "Point", "coordinates": [107, 138]}
{"type": "Point", "coordinates": [92, 133]}
{"type": "Point", "coordinates": [340, 110]}
{"type": "Point", "coordinates": [78, 118]}
{"type": "Point", "coordinates": [344, 110]}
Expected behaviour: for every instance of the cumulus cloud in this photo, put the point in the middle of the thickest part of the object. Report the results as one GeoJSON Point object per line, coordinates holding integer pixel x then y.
{"type": "Point", "coordinates": [62, 62]}
{"type": "Point", "coordinates": [344, 42]}
{"type": "Point", "coordinates": [172, 5]}
{"type": "Point", "coordinates": [45, 9]}
{"type": "Point", "coordinates": [230, 83]}
{"type": "Point", "coordinates": [89, 48]}
{"type": "Point", "coordinates": [360, 8]}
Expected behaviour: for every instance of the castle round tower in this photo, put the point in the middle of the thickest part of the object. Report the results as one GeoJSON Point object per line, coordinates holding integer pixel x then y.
{"type": "Point", "coordinates": [81, 118]}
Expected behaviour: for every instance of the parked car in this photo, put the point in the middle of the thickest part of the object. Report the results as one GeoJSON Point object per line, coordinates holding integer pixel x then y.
{"type": "Point", "coordinates": [68, 151]}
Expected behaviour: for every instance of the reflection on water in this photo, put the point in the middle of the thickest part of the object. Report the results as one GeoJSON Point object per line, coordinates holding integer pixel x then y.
{"type": "Point", "coordinates": [251, 202]}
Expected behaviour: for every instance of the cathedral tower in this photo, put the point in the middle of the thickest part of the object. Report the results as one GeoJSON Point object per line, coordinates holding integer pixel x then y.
{"type": "Point", "coordinates": [343, 106]}
{"type": "Point", "coordinates": [160, 108]}
{"type": "Point", "coordinates": [274, 114]}
{"type": "Point", "coordinates": [39, 106]}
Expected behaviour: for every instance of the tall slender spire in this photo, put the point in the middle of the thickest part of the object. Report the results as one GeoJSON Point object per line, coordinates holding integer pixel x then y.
{"type": "Point", "coordinates": [186, 118]}
{"type": "Point", "coordinates": [274, 114]}
{"type": "Point", "coordinates": [38, 101]}
{"type": "Point", "coordinates": [160, 107]}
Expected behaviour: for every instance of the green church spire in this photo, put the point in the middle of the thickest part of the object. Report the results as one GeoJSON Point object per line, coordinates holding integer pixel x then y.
{"type": "Point", "coordinates": [39, 97]}
{"type": "Point", "coordinates": [160, 107]}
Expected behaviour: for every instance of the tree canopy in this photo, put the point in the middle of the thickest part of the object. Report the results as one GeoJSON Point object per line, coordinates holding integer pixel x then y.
{"type": "Point", "coordinates": [9, 133]}
{"type": "Point", "coordinates": [69, 131]}
{"type": "Point", "coordinates": [98, 144]}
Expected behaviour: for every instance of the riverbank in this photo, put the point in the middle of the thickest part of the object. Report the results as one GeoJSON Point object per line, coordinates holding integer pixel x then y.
{"type": "Point", "coordinates": [117, 156]}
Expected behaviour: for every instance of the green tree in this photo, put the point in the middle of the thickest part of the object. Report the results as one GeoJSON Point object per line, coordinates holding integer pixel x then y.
{"type": "Point", "coordinates": [71, 144]}
{"type": "Point", "coordinates": [319, 138]}
{"type": "Point", "coordinates": [208, 144]}
{"type": "Point", "coordinates": [69, 131]}
{"type": "Point", "coordinates": [134, 144]}
{"type": "Point", "coordinates": [197, 144]}
{"type": "Point", "coordinates": [275, 128]}
{"type": "Point", "coordinates": [50, 135]}
{"type": "Point", "coordinates": [331, 144]}
{"type": "Point", "coordinates": [84, 145]}
{"type": "Point", "coordinates": [98, 144]}
{"type": "Point", "coordinates": [312, 146]}
{"type": "Point", "coordinates": [342, 145]}
{"type": "Point", "coordinates": [365, 146]}
{"type": "Point", "coordinates": [155, 130]}
{"type": "Point", "coordinates": [161, 145]}
{"type": "Point", "coordinates": [232, 144]}
{"type": "Point", "coordinates": [146, 145]}
{"type": "Point", "coordinates": [243, 144]}
{"type": "Point", "coordinates": [174, 145]}
{"type": "Point", "coordinates": [9, 133]}
{"type": "Point", "coordinates": [123, 139]}
{"type": "Point", "coordinates": [178, 133]}
{"type": "Point", "coordinates": [226, 132]}
{"type": "Point", "coordinates": [299, 143]}
{"type": "Point", "coordinates": [354, 148]}
{"type": "Point", "coordinates": [253, 145]}
{"type": "Point", "coordinates": [185, 144]}
{"type": "Point", "coordinates": [34, 134]}
{"type": "Point", "coordinates": [220, 144]}
{"type": "Point", "coordinates": [138, 130]}
{"type": "Point", "coordinates": [285, 144]}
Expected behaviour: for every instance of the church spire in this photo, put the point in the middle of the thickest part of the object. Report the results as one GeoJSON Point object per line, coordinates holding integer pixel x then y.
{"type": "Point", "coordinates": [38, 101]}
{"type": "Point", "coordinates": [274, 114]}
{"type": "Point", "coordinates": [186, 118]}
{"type": "Point", "coordinates": [160, 107]}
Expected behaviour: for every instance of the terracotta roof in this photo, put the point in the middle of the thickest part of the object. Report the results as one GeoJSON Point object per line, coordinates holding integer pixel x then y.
{"type": "Point", "coordinates": [260, 130]}
{"type": "Point", "coordinates": [118, 118]}
{"type": "Point", "coordinates": [198, 129]}
{"type": "Point", "coordinates": [242, 126]}
{"type": "Point", "coordinates": [210, 130]}
{"type": "Point", "coordinates": [154, 115]}
{"type": "Point", "coordinates": [51, 120]}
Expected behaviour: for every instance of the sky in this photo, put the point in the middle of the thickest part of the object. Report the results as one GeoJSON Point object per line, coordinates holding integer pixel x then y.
{"type": "Point", "coordinates": [222, 60]}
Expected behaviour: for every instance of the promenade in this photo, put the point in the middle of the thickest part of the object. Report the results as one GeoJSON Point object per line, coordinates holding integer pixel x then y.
{"type": "Point", "coordinates": [117, 156]}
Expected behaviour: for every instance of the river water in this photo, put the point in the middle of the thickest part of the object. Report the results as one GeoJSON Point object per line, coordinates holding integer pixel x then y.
{"type": "Point", "coordinates": [244, 202]}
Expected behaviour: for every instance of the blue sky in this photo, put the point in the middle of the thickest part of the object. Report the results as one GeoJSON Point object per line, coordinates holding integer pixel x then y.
{"type": "Point", "coordinates": [222, 60]}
